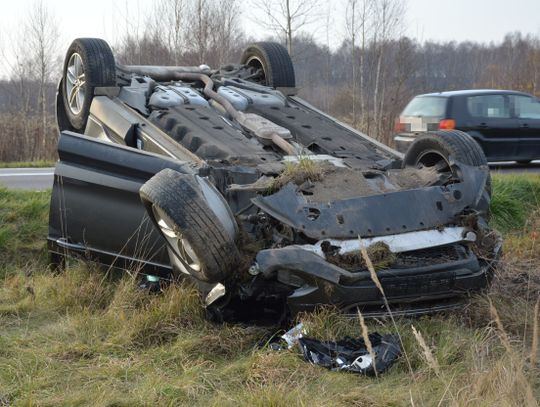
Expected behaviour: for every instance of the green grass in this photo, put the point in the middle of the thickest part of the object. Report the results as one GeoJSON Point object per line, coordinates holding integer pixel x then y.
{"type": "Point", "coordinates": [23, 227]}
{"type": "Point", "coordinates": [27, 164]}
{"type": "Point", "coordinates": [87, 337]}
{"type": "Point", "coordinates": [515, 197]}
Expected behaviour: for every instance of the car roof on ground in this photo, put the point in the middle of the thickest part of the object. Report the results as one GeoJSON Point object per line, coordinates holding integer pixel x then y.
{"type": "Point", "coordinates": [474, 92]}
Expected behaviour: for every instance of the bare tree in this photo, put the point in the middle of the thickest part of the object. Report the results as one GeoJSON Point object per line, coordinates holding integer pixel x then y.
{"type": "Point", "coordinates": [328, 65]}
{"type": "Point", "coordinates": [133, 35]}
{"type": "Point", "coordinates": [2, 51]}
{"type": "Point", "coordinates": [213, 31]}
{"type": "Point", "coordinates": [358, 14]}
{"type": "Point", "coordinates": [351, 23]}
{"type": "Point", "coordinates": [19, 67]}
{"type": "Point", "coordinates": [30, 60]}
{"type": "Point", "coordinates": [287, 17]}
{"type": "Point", "coordinates": [388, 16]}
{"type": "Point", "coordinates": [534, 64]}
{"type": "Point", "coordinates": [168, 23]}
{"type": "Point", "coordinates": [183, 32]}
{"type": "Point", "coordinates": [225, 30]}
{"type": "Point", "coordinates": [199, 28]}
{"type": "Point", "coordinates": [42, 39]}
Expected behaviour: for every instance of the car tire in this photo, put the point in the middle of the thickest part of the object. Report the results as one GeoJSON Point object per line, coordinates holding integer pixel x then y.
{"type": "Point", "coordinates": [275, 62]}
{"type": "Point", "coordinates": [89, 63]}
{"type": "Point", "coordinates": [198, 243]}
{"type": "Point", "coordinates": [445, 143]}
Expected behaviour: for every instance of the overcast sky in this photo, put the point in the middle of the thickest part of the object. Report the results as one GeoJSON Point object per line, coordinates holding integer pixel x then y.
{"type": "Point", "coordinates": [442, 20]}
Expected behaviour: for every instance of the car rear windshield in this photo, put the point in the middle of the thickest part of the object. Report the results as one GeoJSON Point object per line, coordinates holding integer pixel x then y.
{"type": "Point", "coordinates": [431, 106]}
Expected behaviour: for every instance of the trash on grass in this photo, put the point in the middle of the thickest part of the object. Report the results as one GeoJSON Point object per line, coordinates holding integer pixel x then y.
{"type": "Point", "coordinates": [351, 354]}
{"type": "Point", "coordinates": [293, 335]}
{"type": "Point", "coordinates": [289, 338]}
{"type": "Point", "coordinates": [150, 283]}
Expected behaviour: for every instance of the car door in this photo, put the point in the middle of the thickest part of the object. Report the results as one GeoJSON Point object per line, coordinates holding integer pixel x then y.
{"type": "Point", "coordinates": [95, 206]}
{"type": "Point", "coordinates": [527, 111]}
{"type": "Point", "coordinates": [492, 125]}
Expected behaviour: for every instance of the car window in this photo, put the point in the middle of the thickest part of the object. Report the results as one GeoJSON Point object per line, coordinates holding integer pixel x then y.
{"type": "Point", "coordinates": [526, 107]}
{"type": "Point", "coordinates": [426, 106]}
{"type": "Point", "coordinates": [491, 106]}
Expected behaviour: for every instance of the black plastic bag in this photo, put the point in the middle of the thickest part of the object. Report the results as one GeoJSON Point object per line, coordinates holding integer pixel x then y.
{"type": "Point", "coordinates": [351, 354]}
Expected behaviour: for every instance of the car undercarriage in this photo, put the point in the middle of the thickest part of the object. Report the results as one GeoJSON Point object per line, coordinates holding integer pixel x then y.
{"type": "Point", "coordinates": [227, 178]}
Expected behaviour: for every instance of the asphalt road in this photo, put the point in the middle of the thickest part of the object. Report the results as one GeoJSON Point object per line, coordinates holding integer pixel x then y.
{"type": "Point", "coordinates": [35, 179]}
{"type": "Point", "coordinates": [512, 167]}
{"type": "Point", "coordinates": [42, 178]}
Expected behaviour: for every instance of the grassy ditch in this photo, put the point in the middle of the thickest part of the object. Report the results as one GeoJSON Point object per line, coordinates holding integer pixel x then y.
{"type": "Point", "coordinates": [85, 337]}
{"type": "Point", "coordinates": [515, 198]}
{"type": "Point", "coordinates": [23, 227]}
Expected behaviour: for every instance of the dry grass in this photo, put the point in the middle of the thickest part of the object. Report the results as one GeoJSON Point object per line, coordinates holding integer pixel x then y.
{"type": "Point", "coordinates": [535, 333]}
{"type": "Point", "coordinates": [299, 172]}
{"type": "Point", "coordinates": [426, 351]}
{"type": "Point", "coordinates": [367, 341]}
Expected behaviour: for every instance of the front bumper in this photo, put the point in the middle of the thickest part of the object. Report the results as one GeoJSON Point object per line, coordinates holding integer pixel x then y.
{"type": "Point", "coordinates": [314, 281]}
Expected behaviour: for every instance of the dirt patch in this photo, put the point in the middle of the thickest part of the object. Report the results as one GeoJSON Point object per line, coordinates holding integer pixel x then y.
{"type": "Point", "coordinates": [342, 183]}
{"type": "Point", "coordinates": [379, 253]}
{"type": "Point", "coordinates": [410, 178]}
{"type": "Point", "coordinates": [324, 182]}
{"type": "Point", "coordinates": [321, 181]}
{"type": "Point", "coordinates": [519, 279]}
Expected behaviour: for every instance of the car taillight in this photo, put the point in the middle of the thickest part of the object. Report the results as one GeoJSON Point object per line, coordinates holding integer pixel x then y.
{"type": "Point", "coordinates": [399, 126]}
{"type": "Point", "coordinates": [447, 124]}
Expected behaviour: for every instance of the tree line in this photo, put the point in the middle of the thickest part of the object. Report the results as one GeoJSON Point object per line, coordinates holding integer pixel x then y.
{"type": "Point", "coordinates": [366, 80]}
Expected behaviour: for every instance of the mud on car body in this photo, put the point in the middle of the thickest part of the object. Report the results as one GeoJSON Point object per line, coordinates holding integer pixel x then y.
{"type": "Point", "coordinates": [227, 178]}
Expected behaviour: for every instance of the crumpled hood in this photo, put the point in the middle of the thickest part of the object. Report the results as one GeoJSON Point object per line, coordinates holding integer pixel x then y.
{"type": "Point", "coordinates": [378, 215]}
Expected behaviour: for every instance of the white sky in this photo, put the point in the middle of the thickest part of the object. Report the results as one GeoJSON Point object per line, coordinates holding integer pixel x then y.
{"type": "Point", "coordinates": [442, 20]}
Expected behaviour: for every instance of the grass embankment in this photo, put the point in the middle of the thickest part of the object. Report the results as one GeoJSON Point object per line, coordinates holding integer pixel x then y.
{"type": "Point", "coordinates": [27, 164]}
{"type": "Point", "coordinates": [86, 338]}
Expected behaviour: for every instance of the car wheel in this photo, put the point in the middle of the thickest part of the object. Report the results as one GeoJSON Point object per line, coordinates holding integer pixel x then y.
{"type": "Point", "coordinates": [89, 64]}
{"type": "Point", "coordinates": [198, 243]}
{"type": "Point", "coordinates": [274, 61]}
{"type": "Point", "coordinates": [435, 148]}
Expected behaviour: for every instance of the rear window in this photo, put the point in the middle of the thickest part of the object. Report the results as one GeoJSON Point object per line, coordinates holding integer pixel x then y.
{"type": "Point", "coordinates": [426, 106]}
{"type": "Point", "coordinates": [491, 106]}
{"type": "Point", "coordinates": [526, 107]}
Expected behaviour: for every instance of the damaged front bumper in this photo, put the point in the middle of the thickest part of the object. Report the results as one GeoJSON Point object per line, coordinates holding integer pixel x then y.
{"type": "Point", "coordinates": [437, 274]}
{"type": "Point", "coordinates": [433, 262]}
{"type": "Point", "coordinates": [428, 237]}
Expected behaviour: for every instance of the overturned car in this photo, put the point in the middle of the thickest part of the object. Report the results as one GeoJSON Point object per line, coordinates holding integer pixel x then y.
{"type": "Point", "coordinates": [227, 178]}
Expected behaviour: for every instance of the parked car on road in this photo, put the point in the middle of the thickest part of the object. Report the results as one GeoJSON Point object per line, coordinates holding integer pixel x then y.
{"type": "Point", "coordinates": [226, 178]}
{"type": "Point", "coordinates": [505, 123]}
